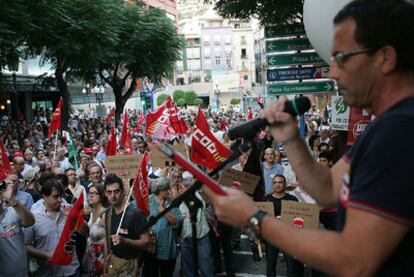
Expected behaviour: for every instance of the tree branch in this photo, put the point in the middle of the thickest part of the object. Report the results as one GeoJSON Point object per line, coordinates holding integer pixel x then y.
{"type": "Point", "coordinates": [131, 89]}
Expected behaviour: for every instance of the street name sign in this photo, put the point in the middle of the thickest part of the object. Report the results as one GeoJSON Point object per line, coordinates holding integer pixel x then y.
{"type": "Point", "coordinates": [294, 59]}
{"type": "Point", "coordinates": [288, 45]}
{"type": "Point", "coordinates": [288, 74]}
{"type": "Point", "coordinates": [301, 88]}
{"type": "Point", "coordinates": [293, 30]}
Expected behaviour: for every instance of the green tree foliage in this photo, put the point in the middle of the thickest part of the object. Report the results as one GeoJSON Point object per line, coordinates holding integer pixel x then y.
{"type": "Point", "coordinates": [180, 102]}
{"type": "Point", "coordinates": [190, 97]}
{"type": "Point", "coordinates": [198, 102]}
{"type": "Point", "coordinates": [177, 94]}
{"type": "Point", "coordinates": [235, 101]}
{"type": "Point", "coordinates": [148, 46]}
{"type": "Point", "coordinates": [267, 11]}
{"type": "Point", "coordinates": [102, 41]}
{"type": "Point", "coordinates": [72, 35]}
{"type": "Point", "coordinates": [161, 98]}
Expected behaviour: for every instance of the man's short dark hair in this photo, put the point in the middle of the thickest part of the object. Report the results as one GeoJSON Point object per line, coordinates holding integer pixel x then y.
{"type": "Point", "coordinates": [383, 22]}
{"type": "Point", "coordinates": [322, 145]}
{"type": "Point", "coordinates": [69, 169]}
{"type": "Point", "coordinates": [49, 185]}
{"type": "Point", "coordinates": [113, 178]}
{"type": "Point", "coordinates": [281, 176]}
{"type": "Point", "coordinates": [327, 155]}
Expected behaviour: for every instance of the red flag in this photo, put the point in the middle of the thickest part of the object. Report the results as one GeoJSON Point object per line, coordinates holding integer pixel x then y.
{"type": "Point", "coordinates": [140, 186]}
{"type": "Point", "coordinates": [125, 135]}
{"type": "Point", "coordinates": [5, 167]}
{"type": "Point", "coordinates": [56, 123]}
{"type": "Point", "coordinates": [206, 150]}
{"type": "Point", "coordinates": [110, 115]}
{"type": "Point", "coordinates": [158, 124]}
{"type": "Point", "coordinates": [65, 248]}
{"type": "Point", "coordinates": [111, 144]}
{"type": "Point", "coordinates": [176, 122]}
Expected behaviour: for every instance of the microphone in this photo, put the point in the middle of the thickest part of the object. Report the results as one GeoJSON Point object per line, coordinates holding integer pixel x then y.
{"type": "Point", "coordinates": [296, 107]}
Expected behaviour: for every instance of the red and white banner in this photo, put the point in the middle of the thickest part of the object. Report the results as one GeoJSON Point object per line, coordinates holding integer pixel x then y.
{"type": "Point", "coordinates": [178, 124]}
{"type": "Point", "coordinates": [158, 124]}
{"type": "Point", "coordinates": [206, 149]}
{"type": "Point", "coordinates": [140, 186]}
{"type": "Point", "coordinates": [56, 123]}
{"type": "Point", "coordinates": [66, 246]}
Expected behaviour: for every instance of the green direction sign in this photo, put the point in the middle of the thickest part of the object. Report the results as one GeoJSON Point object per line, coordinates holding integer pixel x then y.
{"type": "Point", "coordinates": [294, 59]}
{"type": "Point", "coordinates": [288, 45]}
{"type": "Point", "coordinates": [301, 88]}
{"type": "Point", "coordinates": [274, 31]}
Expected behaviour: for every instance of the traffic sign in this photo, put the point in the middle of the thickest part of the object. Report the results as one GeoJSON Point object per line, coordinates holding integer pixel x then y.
{"type": "Point", "coordinates": [303, 73]}
{"type": "Point", "coordinates": [293, 30]}
{"type": "Point", "coordinates": [301, 88]}
{"type": "Point", "coordinates": [294, 59]}
{"type": "Point", "coordinates": [288, 44]}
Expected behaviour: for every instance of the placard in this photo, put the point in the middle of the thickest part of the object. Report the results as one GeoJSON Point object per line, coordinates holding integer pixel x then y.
{"type": "Point", "coordinates": [158, 158]}
{"type": "Point", "coordinates": [246, 181]}
{"type": "Point", "coordinates": [125, 166]}
{"type": "Point", "coordinates": [300, 215]}
{"type": "Point", "coordinates": [267, 207]}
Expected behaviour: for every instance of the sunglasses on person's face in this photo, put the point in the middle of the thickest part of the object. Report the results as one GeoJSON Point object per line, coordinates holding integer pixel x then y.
{"type": "Point", "coordinates": [93, 193]}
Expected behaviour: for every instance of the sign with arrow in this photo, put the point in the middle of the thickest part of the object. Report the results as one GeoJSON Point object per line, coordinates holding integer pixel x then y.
{"type": "Point", "coordinates": [292, 30]}
{"type": "Point", "coordinates": [301, 88]}
{"type": "Point", "coordinates": [303, 73]}
{"type": "Point", "coordinates": [288, 45]}
{"type": "Point", "coordinates": [294, 59]}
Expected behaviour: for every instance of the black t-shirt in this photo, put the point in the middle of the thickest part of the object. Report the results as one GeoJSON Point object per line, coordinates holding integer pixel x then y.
{"type": "Point", "coordinates": [382, 179]}
{"type": "Point", "coordinates": [277, 202]}
{"type": "Point", "coordinates": [132, 222]}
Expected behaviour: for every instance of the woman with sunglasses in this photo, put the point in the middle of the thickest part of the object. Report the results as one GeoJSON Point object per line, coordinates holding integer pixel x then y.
{"type": "Point", "coordinates": [96, 241]}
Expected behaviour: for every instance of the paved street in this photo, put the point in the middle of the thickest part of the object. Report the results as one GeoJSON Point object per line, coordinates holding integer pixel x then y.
{"type": "Point", "coordinates": [247, 267]}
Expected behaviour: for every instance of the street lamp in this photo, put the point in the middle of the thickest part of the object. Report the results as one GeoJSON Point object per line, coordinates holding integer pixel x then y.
{"type": "Point", "coordinates": [85, 90]}
{"type": "Point", "coordinates": [98, 91]}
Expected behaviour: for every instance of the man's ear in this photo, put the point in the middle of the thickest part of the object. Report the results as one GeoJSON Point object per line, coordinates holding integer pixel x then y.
{"type": "Point", "coordinates": [388, 60]}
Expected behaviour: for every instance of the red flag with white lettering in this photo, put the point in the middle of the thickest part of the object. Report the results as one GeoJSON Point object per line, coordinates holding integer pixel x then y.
{"type": "Point", "coordinates": [125, 135]}
{"type": "Point", "coordinates": [5, 167]}
{"type": "Point", "coordinates": [111, 144]}
{"type": "Point", "coordinates": [66, 246]}
{"type": "Point", "coordinates": [206, 149]}
{"type": "Point", "coordinates": [140, 186]}
{"type": "Point", "coordinates": [158, 124]}
{"type": "Point", "coordinates": [56, 123]}
{"type": "Point", "coordinates": [177, 122]}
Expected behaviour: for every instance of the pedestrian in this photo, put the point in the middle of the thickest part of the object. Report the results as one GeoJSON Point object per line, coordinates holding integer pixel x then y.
{"type": "Point", "coordinates": [124, 244]}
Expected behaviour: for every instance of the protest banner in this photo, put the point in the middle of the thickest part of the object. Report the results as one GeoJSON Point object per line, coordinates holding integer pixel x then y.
{"type": "Point", "coordinates": [300, 215]}
{"type": "Point", "coordinates": [247, 181]}
{"type": "Point", "coordinates": [125, 166]}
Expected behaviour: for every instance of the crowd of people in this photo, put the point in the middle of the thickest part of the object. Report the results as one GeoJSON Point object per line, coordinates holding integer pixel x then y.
{"type": "Point", "coordinates": [46, 181]}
